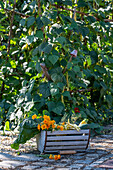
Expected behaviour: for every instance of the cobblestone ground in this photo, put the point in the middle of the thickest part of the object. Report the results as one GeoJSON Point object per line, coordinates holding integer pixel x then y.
{"type": "Point", "coordinates": [27, 157]}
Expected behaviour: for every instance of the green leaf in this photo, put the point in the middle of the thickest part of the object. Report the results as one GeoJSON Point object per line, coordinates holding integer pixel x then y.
{"type": "Point", "coordinates": [45, 20]}
{"type": "Point", "coordinates": [35, 51]}
{"type": "Point", "coordinates": [53, 59]}
{"type": "Point", "coordinates": [76, 69]}
{"type": "Point", "coordinates": [67, 94]}
{"type": "Point", "coordinates": [13, 63]}
{"type": "Point", "coordinates": [44, 90]}
{"type": "Point", "coordinates": [22, 22]}
{"type": "Point", "coordinates": [31, 85]}
{"type": "Point", "coordinates": [38, 67]}
{"type": "Point", "coordinates": [54, 91]}
{"type": "Point", "coordinates": [67, 2]}
{"type": "Point", "coordinates": [96, 84]}
{"type": "Point", "coordinates": [89, 114]}
{"type": "Point", "coordinates": [24, 6]}
{"type": "Point", "coordinates": [84, 31]}
{"type": "Point", "coordinates": [39, 23]}
{"type": "Point", "coordinates": [103, 85]}
{"type": "Point", "coordinates": [53, 14]}
{"type": "Point", "coordinates": [39, 34]}
{"type": "Point", "coordinates": [94, 125]}
{"type": "Point", "coordinates": [32, 5]}
{"type": "Point", "coordinates": [69, 65]}
{"type": "Point", "coordinates": [47, 49]}
{"type": "Point", "coordinates": [28, 129]}
{"type": "Point", "coordinates": [88, 60]}
{"type": "Point", "coordinates": [81, 3]}
{"type": "Point", "coordinates": [30, 21]}
{"type": "Point", "coordinates": [10, 111]}
{"type": "Point", "coordinates": [58, 108]}
{"type": "Point", "coordinates": [50, 105]}
{"type": "Point", "coordinates": [109, 99]}
{"type": "Point", "coordinates": [63, 63]}
{"type": "Point", "coordinates": [74, 25]}
{"type": "Point", "coordinates": [94, 114]}
{"type": "Point", "coordinates": [100, 69]}
{"type": "Point", "coordinates": [7, 125]}
{"type": "Point", "coordinates": [40, 103]}
{"type": "Point", "coordinates": [94, 57]}
{"type": "Point", "coordinates": [61, 40]}
{"type": "Point", "coordinates": [13, 81]}
{"type": "Point", "coordinates": [60, 85]}
{"type": "Point", "coordinates": [91, 19]}
{"type": "Point", "coordinates": [42, 46]}
{"type": "Point", "coordinates": [1, 3]}
{"type": "Point", "coordinates": [29, 39]}
{"type": "Point", "coordinates": [56, 77]}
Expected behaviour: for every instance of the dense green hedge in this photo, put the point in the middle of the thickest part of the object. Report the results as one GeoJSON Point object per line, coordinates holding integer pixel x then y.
{"type": "Point", "coordinates": [41, 33]}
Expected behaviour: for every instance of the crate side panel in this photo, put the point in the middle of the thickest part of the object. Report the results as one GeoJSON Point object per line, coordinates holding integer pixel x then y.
{"type": "Point", "coordinates": [40, 139]}
{"type": "Point", "coordinates": [66, 143]}
{"type": "Point", "coordinates": [64, 147]}
{"type": "Point", "coordinates": [69, 138]}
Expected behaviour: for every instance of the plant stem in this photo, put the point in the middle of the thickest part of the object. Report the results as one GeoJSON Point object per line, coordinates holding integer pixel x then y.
{"type": "Point", "coordinates": [11, 24]}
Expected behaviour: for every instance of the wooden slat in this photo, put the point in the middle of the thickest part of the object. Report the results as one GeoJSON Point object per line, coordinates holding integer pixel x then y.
{"type": "Point", "coordinates": [58, 151]}
{"type": "Point", "coordinates": [65, 147]}
{"type": "Point", "coordinates": [66, 143]}
{"type": "Point", "coordinates": [67, 152]}
{"type": "Point", "coordinates": [64, 132]}
{"type": "Point", "coordinates": [52, 138]}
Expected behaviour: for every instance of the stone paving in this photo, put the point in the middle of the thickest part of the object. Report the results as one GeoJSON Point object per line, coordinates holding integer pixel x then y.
{"type": "Point", "coordinates": [27, 157]}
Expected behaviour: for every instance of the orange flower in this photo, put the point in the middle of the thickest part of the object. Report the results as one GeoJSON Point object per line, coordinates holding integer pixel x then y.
{"type": "Point", "coordinates": [43, 126]}
{"type": "Point", "coordinates": [45, 121]}
{"type": "Point", "coordinates": [52, 121]}
{"type": "Point", "coordinates": [63, 123]}
{"type": "Point", "coordinates": [58, 127]}
{"type": "Point", "coordinates": [61, 128]}
{"type": "Point", "coordinates": [53, 126]}
{"type": "Point", "coordinates": [34, 116]}
{"type": "Point", "coordinates": [51, 156]}
{"type": "Point", "coordinates": [47, 126]}
{"type": "Point", "coordinates": [59, 156]}
{"type": "Point", "coordinates": [38, 127]}
{"type": "Point", "coordinates": [55, 157]}
{"type": "Point", "coordinates": [46, 117]}
{"type": "Point", "coordinates": [40, 116]}
{"type": "Point", "coordinates": [49, 123]}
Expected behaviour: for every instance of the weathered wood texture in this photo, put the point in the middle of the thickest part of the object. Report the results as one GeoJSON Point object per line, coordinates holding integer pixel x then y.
{"type": "Point", "coordinates": [65, 142]}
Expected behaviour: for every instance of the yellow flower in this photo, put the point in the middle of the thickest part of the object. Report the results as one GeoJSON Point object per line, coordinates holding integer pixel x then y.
{"type": "Point", "coordinates": [34, 116]}
{"type": "Point", "coordinates": [55, 157]}
{"type": "Point", "coordinates": [38, 127]}
{"type": "Point", "coordinates": [61, 128]}
{"type": "Point", "coordinates": [43, 126]}
{"type": "Point", "coordinates": [59, 156]}
{"type": "Point", "coordinates": [63, 123]}
{"type": "Point", "coordinates": [51, 156]}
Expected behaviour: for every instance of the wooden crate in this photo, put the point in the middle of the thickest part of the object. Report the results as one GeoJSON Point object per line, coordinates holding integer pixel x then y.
{"type": "Point", "coordinates": [67, 141]}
